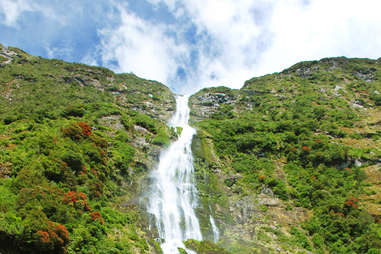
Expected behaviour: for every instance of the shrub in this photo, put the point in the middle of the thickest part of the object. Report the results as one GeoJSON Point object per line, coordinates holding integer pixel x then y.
{"type": "Point", "coordinates": [146, 122]}
{"type": "Point", "coordinates": [162, 138]}
{"type": "Point", "coordinates": [73, 160]}
{"type": "Point", "coordinates": [77, 130]}
{"type": "Point", "coordinates": [352, 203]}
{"type": "Point", "coordinates": [122, 156]}
{"type": "Point", "coordinates": [55, 237]}
{"type": "Point", "coordinates": [97, 216]}
{"type": "Point", "coordinates": [204, 247]}
{"type": "Point", "coordinates": [73, 131]}
{"type": "Point", "coordinates": [77, 199]}
{"type": "Point", "coordinates": [127, 122]}
{"type": "Point", "coordinates": [76, 111]}
{"type": "Point", "coordinates": [377, 99]}
{"type": "Point", "coordinates": [86, 129]}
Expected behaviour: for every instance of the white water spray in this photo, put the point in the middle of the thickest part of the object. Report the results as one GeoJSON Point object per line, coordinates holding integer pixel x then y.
{"type": "Point", "coordinates": [173, 196]}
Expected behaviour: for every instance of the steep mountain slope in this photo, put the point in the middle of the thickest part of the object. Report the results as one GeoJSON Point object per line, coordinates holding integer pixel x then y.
{"type": "Point", "coordinates": [75, 141]}
{"type": "Point", "coordinates": [291, 162]}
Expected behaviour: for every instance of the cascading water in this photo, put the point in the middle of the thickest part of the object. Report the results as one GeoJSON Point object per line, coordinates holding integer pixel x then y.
{"type": "Point", "coordinates": [216, 232]}
{"type": "Point", "coordinates": [173, 195]}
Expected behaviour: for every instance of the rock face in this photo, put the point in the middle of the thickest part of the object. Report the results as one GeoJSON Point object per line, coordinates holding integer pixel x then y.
{"type": "Point", "coordinates": [208, 101]}
{"type": "Point", "coordinates": [7, 55]}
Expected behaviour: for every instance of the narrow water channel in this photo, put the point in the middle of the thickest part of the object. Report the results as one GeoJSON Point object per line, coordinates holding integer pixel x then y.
{"type": "Point", "coordinates": [173, 194]}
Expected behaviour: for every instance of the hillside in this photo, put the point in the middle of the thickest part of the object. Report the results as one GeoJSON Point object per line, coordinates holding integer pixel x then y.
{"type": "Point", "coordinates": [75, 141]}
{"type": "Point", "coordinates": [291, 162]}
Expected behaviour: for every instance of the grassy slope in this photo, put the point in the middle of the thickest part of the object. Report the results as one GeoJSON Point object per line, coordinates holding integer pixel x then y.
{"type": "Point", "coordinates": [74, 142]}
{"type": "Point", "coordinates": [312, 135]}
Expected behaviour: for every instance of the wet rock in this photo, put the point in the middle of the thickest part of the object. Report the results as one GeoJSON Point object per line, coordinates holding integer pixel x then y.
{"type": "Point", "coordinates": [268, 200]}
{"type": "Point", "coordinates": [358, 163]}
{"type": "Point", "coordinates": [243, 209]}
{"type": "Point", "coordinates": [140, 141]}
{"type": "Point", "coordinates": [267, 191]}
{"type": "Point", "coordinates": [208, 102]}
{"type": "Point", "coordinates": [112, 121]}
{"type": "Point", "coordinates": [141, 130]}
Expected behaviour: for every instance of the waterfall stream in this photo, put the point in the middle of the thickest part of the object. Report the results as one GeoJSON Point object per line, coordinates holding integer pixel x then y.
{"type": "Point", "coordinates": [216, 232]}
{"type": "Point", "coordinates": [173, 195]}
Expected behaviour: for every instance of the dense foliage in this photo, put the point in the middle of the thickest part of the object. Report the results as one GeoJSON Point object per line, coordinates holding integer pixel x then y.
{"type": "Point", "coordinates": [69, 157]}
{"type": "Point", "coordinates": [309, 134]}
{"type": "Point", "coordinates": [204, 247]}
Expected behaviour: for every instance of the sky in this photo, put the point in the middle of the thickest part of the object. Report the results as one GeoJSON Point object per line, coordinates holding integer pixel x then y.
{"type": "Point", "coordinates": [191, 44]}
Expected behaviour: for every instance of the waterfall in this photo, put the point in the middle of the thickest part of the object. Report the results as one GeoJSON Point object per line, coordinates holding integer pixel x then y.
{"type": "Point", "coordinates": [173, 195]}
{"type": "Point", "coordinates": [216, 232]}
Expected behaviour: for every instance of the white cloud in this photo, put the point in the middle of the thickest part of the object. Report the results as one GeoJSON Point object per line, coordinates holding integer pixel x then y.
{"type": "Point", "coordinates": [143, 48]}
{"type": "Point", "coordinates": [235, 35]}
{"type": "Point", "coordinates": [12, 9]}
{"type": "Point", "coordinates": [226, 51]}
{"type": "Point", "coordinates": [322, 29]}
{"type": "Point", "coordinates": [235, 39]}
{"type": "Point", "coordinates": [259, 37]}
{"type": "Point", "coordinates": [239, 39]}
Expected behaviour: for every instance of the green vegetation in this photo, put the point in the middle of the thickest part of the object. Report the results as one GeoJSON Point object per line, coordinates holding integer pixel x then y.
{"type": "Point", "coordinates": [204, 247]}
{"type": "Point", "coordinates": [69, 157]}
{"type": "Point", "coordinates": [301, 133]}
{"type": "Point", "coordinates": [75, 142]}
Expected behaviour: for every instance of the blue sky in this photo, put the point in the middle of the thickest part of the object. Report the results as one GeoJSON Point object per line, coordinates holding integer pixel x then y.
{"type": "Point", "coordinates": [188, 45]}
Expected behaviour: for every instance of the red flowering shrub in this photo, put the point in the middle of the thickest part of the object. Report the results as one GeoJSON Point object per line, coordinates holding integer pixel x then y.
{"type": "Point", "coordinates": [77, 130]}
{"type": "Point", "coordinates": [86, 129]}
{"type": "Point", "coordinates": [93, 171]}
{"type": "Point", "coordinates": [261, 178]}
{"type": "Point", "coordinates": [44, 236]}
{"type": "Point", "coordinates": [84, 170]}
{"type": "Point", "coordinates": [352, 202]}
{"type": "Point", "coordinates": [306, 148]}
{"type": "Point", "coordinates": [73, 131]}
{"type": "Point", "coordinates": [55, 237]}
{"type": "Point", "coordinates": [77, 199]}
{"type": "Point", "coordinates": [97, 216]}
{"type": "Point", "coordinates": [62, 233]}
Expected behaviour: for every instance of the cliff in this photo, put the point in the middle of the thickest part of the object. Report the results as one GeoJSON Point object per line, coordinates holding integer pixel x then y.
{"type": "Point", "coordinates": [291, 161]}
